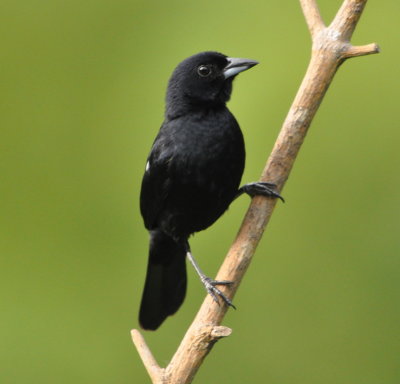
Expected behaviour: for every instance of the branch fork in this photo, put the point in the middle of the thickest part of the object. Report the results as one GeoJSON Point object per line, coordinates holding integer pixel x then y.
{"type": "Point", "coordinates": [336, 37]}
{"type": "Point", "coordinates": [203, 340]}
{"type": "Point", "coordinates": [330, 48]}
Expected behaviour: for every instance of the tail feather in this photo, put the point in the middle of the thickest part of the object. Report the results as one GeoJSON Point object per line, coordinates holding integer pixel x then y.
{"type": "Point", "coordinates": [165, 286]}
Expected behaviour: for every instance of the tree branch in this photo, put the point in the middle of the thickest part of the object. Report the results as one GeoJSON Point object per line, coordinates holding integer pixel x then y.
{"type": "Point", "coordinates": [361, 50]}
{"type": "Point", "coordinates": [331, 46]}
{"type": "Point", "coordinates": [347, 18]}
{"type": "Point", "coordinates": [153, 369]}
{"type": "Point", "coordinates": [312, 16]}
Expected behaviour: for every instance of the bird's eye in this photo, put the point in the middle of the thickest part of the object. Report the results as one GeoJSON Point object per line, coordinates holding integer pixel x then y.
{"type": "Point", "coordinates": [204, 70]}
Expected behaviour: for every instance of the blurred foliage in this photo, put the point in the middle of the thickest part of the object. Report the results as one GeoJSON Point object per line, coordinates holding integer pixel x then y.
{"type": "Point", "coordinates": [82, 90]}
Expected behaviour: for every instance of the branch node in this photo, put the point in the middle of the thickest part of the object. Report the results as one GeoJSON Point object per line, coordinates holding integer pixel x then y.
{"type": "Point", "coordinates": [220, 331]}
{"type": "Point", "coordinates": [361, 50]}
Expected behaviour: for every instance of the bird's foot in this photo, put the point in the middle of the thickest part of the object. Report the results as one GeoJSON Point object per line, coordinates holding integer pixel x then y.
{"type": "Point", "coordinates": [210, 286]}
{"type": "Point", "coordinates": [260, 189]}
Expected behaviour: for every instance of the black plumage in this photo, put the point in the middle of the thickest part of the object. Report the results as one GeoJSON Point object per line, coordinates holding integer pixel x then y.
{"type": "Point", "coordinates": [192, 175]}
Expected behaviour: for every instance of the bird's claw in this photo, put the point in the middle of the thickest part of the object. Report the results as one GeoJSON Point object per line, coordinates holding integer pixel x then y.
{"type": "Point", "coordinates": [210, 286]}
{"type": "Point", "coordinates": [263, 189]}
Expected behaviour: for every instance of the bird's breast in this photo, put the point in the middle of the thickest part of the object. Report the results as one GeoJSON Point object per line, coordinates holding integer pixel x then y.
{"type": "Point", "coordinates": [206, 157]}
{"type": "Point", "coordinates": [212, 149]}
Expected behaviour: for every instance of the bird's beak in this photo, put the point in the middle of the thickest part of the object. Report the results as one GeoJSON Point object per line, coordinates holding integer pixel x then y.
{"type": "Point", "coordinates": [236, 65]}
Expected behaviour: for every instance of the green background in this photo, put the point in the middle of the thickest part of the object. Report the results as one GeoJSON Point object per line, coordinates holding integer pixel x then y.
{"type": "Point", "coordinates": [82, 97]}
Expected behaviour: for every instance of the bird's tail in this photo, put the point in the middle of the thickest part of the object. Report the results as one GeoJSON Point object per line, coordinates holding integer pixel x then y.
{"type": "Point", "coordinates": [165, 286]}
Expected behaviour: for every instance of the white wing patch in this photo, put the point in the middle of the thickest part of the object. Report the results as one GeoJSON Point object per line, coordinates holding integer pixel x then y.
{"type": "Point", "coordinates": [148, 166]}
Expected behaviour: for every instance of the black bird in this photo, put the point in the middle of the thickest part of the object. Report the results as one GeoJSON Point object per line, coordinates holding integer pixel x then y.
{"type": "Point", "coordinates": [192, 175]}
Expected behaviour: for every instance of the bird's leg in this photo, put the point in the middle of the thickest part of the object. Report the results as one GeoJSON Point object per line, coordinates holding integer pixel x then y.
{"type": "Point", "coordinates": [259, 189]}
{"type": "Point", "coordinates": [209, 284]}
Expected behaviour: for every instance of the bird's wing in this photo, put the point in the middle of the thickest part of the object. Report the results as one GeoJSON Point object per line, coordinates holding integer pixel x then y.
{"type": "Point", "coordinates": [156, 180]}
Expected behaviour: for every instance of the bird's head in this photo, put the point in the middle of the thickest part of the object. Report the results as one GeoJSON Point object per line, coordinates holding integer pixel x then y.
{"type": "Point", "coordinates": [203, 80]}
